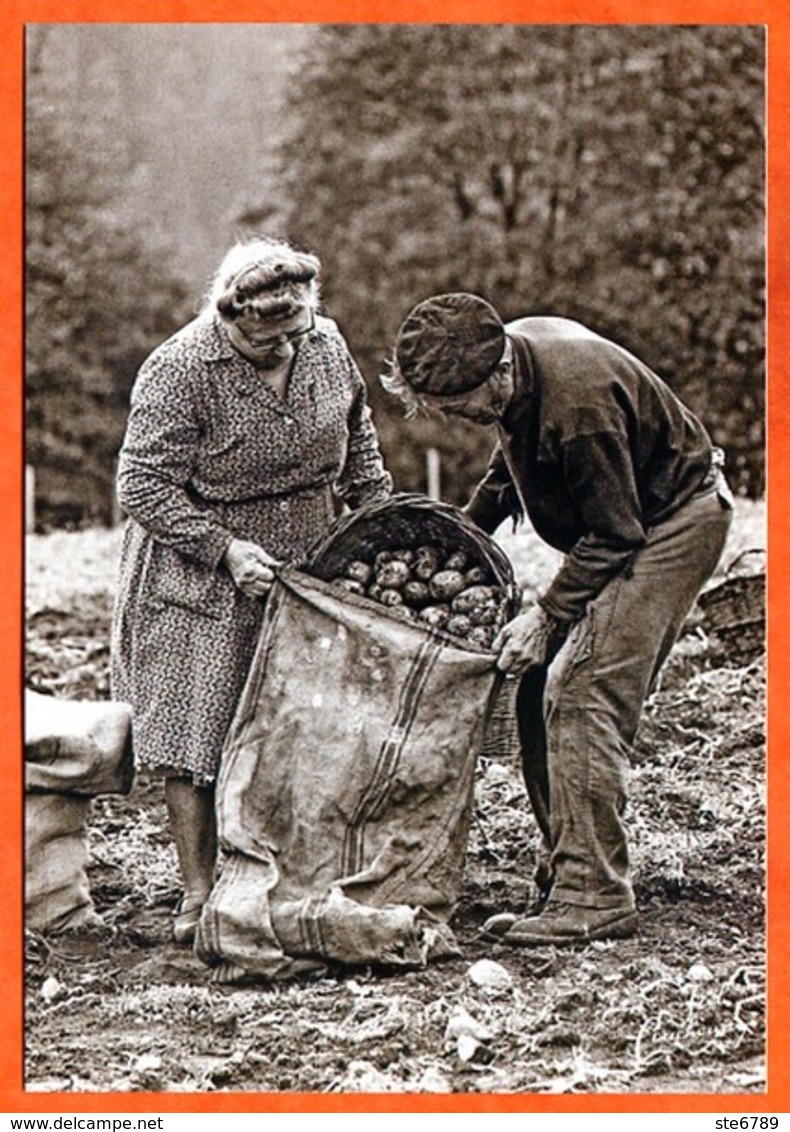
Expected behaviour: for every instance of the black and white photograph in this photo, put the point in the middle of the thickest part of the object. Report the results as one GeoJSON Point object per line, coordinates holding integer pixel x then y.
{"type": "Point", "coordinates": [395, 559]}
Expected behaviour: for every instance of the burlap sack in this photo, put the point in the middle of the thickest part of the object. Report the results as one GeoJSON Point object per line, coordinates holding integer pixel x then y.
{"type": "Point", "coordinates": [57, 894]}
{"type": "Point", "coordinates": [74, 749]}
{"type": "Point", "coordinates": [77, 746]}
{"type": "Point", "coordinates": [346, 787]}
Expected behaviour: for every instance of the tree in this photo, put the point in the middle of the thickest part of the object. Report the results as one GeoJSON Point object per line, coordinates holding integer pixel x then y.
{"type": "Point", "coordinates": [92, 313]}
{"type": "Point", "coordinates": [613, 174]}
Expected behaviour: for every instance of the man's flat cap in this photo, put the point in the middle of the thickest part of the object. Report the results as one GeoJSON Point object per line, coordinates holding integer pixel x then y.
{"type": "Point", "coordinates": [450, 344]}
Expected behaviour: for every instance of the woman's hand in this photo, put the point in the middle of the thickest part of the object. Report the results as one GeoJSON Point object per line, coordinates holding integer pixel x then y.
{"type": "Point", "coordinates": [250, 567]}
{"type": "Point", "coordinates": [524, 641]}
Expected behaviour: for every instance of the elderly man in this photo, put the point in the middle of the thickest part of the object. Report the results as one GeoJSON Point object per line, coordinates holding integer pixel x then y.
{"type": "Point", "coordinates": [616, 473]}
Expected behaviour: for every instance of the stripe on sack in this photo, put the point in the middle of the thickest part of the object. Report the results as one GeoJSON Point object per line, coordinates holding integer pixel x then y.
{"type": "Point", "coordinates": [377, 790]}
{"type": "Point", "coordinates": [310, 924]}
{"type": "Point", "coordinates": [210, 927]}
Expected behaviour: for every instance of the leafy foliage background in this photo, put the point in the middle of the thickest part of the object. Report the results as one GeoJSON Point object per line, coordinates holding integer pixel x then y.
{"type": "Point", "coordinates": [613, 174]}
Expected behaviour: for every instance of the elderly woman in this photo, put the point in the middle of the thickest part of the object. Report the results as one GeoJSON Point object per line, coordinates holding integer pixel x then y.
{"type": "Point", "coordinates": [247, 428]}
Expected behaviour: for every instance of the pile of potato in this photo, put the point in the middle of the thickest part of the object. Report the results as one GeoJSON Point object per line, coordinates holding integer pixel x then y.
{"type": "Point", "coordinates": [446, 591]}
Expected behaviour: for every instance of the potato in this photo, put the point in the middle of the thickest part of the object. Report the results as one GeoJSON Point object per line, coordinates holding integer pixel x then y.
{"type": "Point", "coordinates": [416, 593]}
{"type": "Point", "coordinates": [392, 575]}
{"type": "Point", "coordinates": [446, 584]}
{"type": "Point", "coordinates": [350, 584]}
{"type": "Point", "coordinates": [476, 576]}
{"type": "Point", "coordinates": [382, 557]}
{"type": "Point", "coordinates": [426, 563]}
{"type": "Point", "coordinates": [436, 615]}
{"type": "Point", "coordinates": [484, 614]}
{"type": "Point", "coordinates": [359, 571]}
{"type": "Point", "coordinates": [480, 635]}
{"type": "Point", "coordinates": [403, 555]}
{"type": "Point", "coordinates": [473, 597]}
{"type": "Point", "coordinates": [391, 597]}
{"type": "Point", "coordinates": [458, 560]}
{"type": "Point", "coordinates": [459, 625]}
{"type": "Point", "coordinates": [501, 617]}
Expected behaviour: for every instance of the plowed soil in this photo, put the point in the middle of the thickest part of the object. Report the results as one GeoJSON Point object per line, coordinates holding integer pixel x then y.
{"type": "Point", "coordinates": [680, 1008]}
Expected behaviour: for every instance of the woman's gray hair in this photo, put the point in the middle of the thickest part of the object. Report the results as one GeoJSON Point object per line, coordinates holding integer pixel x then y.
{"type": "Point", "coordinates": [261, 263]}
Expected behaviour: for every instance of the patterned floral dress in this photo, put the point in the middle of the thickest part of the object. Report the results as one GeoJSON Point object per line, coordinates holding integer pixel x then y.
{"type": "Point", "coordinates": [211, 453]}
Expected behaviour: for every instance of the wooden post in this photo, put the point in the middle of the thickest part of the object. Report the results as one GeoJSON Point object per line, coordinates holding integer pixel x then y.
{"type": "Point", "coordinates": [116, 511]}
{"type": "Point", "coordinates": [433, 473]}
{"type": "Point", "coordinates": [30, 499]}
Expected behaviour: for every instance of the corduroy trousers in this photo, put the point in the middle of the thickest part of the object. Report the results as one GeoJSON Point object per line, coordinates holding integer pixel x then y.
{"type": "Point", "coordinates": [578, 719]}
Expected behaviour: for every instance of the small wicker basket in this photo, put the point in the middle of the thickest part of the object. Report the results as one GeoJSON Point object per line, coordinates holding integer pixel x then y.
{"type": "Point", "coordinates": [734, 609]}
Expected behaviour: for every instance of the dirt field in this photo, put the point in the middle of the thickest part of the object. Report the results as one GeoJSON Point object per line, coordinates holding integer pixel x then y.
{"type": "Point", "coordinates": [678, 1009]}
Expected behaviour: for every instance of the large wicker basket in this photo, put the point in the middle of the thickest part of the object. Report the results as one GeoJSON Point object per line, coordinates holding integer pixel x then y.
{"type": "Point", "coordinates": [407, 520]}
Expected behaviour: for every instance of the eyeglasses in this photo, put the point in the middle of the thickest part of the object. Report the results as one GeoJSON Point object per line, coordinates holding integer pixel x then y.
{"type": "Point", "coordinates": [249, 328]}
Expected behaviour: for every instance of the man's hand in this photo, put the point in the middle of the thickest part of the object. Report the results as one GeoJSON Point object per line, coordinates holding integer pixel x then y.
{"type": "Point", "coordinates": [250, 567]}
{"type": "Point", "coordinates": [524, 641]}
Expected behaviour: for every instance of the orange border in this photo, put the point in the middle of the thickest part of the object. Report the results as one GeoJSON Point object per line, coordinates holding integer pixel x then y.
{"type": "Point", "coordinates": [15, 15]}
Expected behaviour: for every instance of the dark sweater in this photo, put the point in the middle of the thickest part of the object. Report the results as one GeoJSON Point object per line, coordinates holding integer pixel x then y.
{"type": "Point", "coordinates": [601, 448]}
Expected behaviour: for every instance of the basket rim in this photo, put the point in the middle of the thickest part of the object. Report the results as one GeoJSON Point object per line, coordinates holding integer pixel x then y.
{"type": "Point", "coordinates": [738, 584]}
{"type": "Point", "coordinates": [403, 501]}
